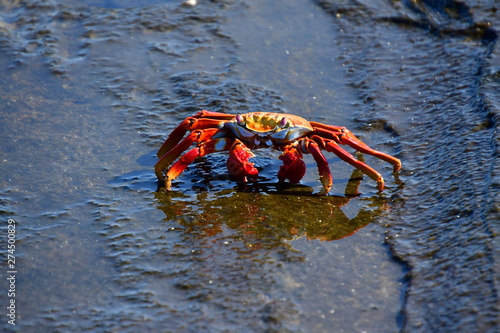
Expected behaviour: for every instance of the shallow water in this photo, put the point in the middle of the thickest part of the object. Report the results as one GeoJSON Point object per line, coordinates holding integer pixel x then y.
{"type": "Point", "coordinates": [90, 90]}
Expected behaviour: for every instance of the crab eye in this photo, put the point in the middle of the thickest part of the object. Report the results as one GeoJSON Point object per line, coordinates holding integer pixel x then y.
{"type": "Point", "coordinates": [240, 120]}
{"type": "Point", "coordinates": [283, 123]}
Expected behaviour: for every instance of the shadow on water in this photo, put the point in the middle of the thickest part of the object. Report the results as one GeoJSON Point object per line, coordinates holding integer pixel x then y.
{"type": "Point", "coordinates": [270, 212]}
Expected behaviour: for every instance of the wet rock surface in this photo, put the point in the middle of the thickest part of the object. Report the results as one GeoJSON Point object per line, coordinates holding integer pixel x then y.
{"type": "Point", "coordinates": [90, 90]}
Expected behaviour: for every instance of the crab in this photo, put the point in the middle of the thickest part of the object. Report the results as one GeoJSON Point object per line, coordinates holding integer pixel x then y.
{"type": "Point", "coordinates": [239, 134]}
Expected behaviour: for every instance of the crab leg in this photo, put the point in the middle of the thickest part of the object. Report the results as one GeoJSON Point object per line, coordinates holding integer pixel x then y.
{"type": "Point", "coordinates": [328, 128]}
{"type": "Point", "coordinates": [202, 120]}
{"type": "Point", "coordinates": [350, 140]}
{"type": "Point", "coordinates": [344, 136]}
{"type": "Point", "coordinates": [207, 147]}
{"type": "Point", "coordinates": [172, 154]}
{"type": "Point", "coordinates": [325, 174]}
{"type": "Point", "coordinates": [333, 147]}
{"type": "Point", "coordinates": [238, 165]}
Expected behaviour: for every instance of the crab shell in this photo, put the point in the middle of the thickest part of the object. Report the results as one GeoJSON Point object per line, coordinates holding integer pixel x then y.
{"type": "Point", "coordinates": [266, 130]}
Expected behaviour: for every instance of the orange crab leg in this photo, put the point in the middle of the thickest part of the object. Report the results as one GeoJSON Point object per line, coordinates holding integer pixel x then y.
{"type": "Point", "coordinates": [214, 115]}
{"type": "Point", "coordinates": [344, 136]}
{"type": "Point", "coordinates": [293, 167]}
{"type": "Point", "coordinates": [333, 147]}
{"type": "Point", "coordinates": [325, 175]}
{"type": "Point", "coordinates": [329, 128]}
{"type": "Point", "coordinates": [201, 150]}
{"type": "Point", "coordinates": [238, 165]}
{"type": "Point", "coordinates": [174, 137]}
{"type": "Point", "coordinates": [351, 140]}
{"type": "Point", "coordinates": [195, 136]}
{"type": "Point", "coordinates": [177, 134]}
{"type": "Point", "coordinates": [201, 120]}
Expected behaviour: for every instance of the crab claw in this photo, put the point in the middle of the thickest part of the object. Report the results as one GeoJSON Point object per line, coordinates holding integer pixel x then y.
{"type": "Point", "coordinates": [293, 167]}
{"type": "Point", "coordinates": [238, 165]}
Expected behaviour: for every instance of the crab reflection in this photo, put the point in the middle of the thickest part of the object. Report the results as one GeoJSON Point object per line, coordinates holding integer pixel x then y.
{"type": "Point", "coordinates": [269, 213]}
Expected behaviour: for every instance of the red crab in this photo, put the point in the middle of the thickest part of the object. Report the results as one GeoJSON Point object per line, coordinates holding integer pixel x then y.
{"type": "Point", "coordinates": [238, 134]}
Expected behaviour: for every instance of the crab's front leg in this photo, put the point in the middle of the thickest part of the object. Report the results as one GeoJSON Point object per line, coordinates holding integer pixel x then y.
{"type": "Point", "coordinates": [293, 167]}
{"type": "Point", "coordinates": [238, 164]}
